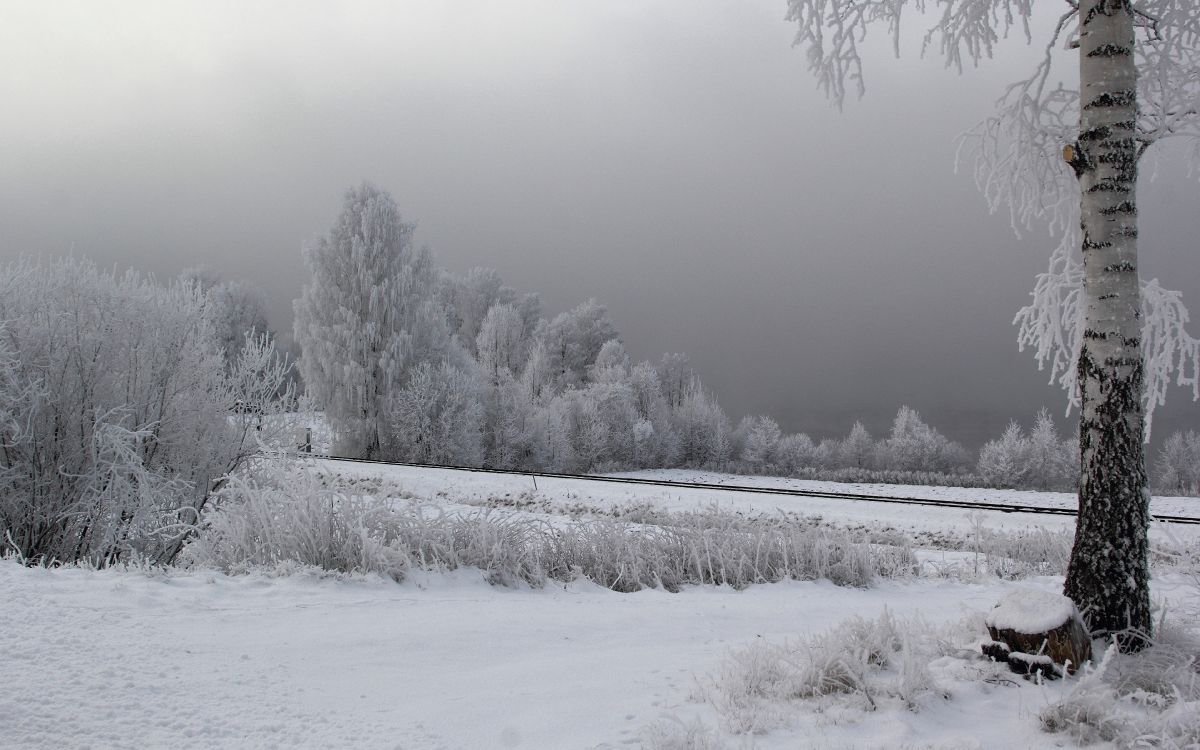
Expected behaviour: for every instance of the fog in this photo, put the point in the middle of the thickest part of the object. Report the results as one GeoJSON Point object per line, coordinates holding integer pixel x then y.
{"type": "Point", "coordinates": [672, 159]}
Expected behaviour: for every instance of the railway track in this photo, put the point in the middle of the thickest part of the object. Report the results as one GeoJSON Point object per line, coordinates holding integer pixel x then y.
{"type": "Point", "coordinates": [743, 488]}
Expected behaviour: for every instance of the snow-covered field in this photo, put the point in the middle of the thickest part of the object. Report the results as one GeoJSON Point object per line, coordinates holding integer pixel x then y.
{"type": "Point", "coordinates": [573, 495]}
{"type": "Point", "coordinates": [193, 658]}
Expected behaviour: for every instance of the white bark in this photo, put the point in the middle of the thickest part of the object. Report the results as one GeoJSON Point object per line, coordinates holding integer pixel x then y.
{"type": "Point", "coordinates": [1109, 574]}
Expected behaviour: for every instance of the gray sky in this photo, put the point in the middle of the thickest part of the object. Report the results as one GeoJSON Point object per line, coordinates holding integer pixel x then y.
{"type": "Point", "coordinates": [672, 159]}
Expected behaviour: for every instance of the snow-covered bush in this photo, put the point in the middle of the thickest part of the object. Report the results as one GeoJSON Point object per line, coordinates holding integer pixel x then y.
{"type": "Point", "coordinates": [281, 516]}
{"type": "Point", "coordinates": [1020, 553]}
{"type": "Point", "coordinates": [118, 412]}
{"type": "Point", "coordinates": [673, 733]}
{"type": "Point", "coordinates": [859, 662]}
{"type": "Point", "coordinates": [1145, 699]}
{"type": "Point", "coordinates": [270, 519]}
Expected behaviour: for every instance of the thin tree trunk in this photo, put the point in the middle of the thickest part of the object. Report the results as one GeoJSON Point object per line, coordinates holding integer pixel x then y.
{"type": "Point", "coordinates": [1108, 577]}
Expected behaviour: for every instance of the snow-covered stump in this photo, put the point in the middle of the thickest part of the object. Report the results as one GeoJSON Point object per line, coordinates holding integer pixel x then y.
{"type": "Point", "coordinates": [1037, 633]}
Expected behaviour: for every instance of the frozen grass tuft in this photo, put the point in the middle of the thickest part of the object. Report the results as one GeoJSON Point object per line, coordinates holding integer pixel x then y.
{"type": "Point", "coordinates": [1024, 553]}
{"type": "Point", "coordinates": [673, 733]}
{"type": "Point", "coordinates": [856, 666]}
{"type": "Point", "coordinates": [1148, 699]}
{"type": "Point", "coordinates": [281, 516]}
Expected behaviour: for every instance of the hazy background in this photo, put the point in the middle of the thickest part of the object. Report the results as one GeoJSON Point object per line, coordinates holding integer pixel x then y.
{"type": "Point", "coordinates": [672, 159]}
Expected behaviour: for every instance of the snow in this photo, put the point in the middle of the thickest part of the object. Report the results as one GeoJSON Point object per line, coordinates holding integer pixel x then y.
{"type": "Point", "coordinates": [1031, 611]}
{"type": "Point", "coordinates": [195, 659]}
{"type": "Point", "coordinates": [192, 659]}
{"type": "Point", "coordinates": [577, 495]}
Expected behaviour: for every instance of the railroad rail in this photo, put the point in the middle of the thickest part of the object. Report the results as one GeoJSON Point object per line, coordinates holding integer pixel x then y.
{"type": "Point", "coordinates": [784, 491]}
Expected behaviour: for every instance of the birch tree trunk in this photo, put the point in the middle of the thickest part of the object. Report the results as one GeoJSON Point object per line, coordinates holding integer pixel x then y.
{"type": "Point", "coordinates": [1108, 577]}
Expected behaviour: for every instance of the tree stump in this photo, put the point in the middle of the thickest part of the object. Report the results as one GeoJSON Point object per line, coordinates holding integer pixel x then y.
{"type": "Point", "coordinates": [1037, 633]}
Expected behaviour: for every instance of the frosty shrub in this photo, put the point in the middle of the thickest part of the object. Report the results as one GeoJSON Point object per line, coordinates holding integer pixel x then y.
{"type": "Point", "coordinates": [673, 733]}
{"type": "Point", "coordinates": [1021, 553]}
{"type": "Point", "coordinates": [269, 519]}
{"type": "Point", "coordinates": [118, 412]}
{"type": "Point", "coordinates": [1147, 699]}
{"type": "Point", "coordinates": [859, 662]}
{"type": "Point", "coordinates": [280, 516]}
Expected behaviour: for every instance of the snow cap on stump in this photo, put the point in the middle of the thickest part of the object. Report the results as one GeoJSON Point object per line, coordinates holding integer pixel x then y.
{"type": "Point", "coordinates": [1031, 627]}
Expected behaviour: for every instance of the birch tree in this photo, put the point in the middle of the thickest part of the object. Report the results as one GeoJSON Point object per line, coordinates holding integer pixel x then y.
{"type": "Point", "coordinates": [1069, 157]}
{"type": "Point", "coordinates": [364, 316]}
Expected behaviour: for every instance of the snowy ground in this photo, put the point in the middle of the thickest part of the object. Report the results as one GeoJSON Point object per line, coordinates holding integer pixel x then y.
{"type": "Point", "coordinates": [572, 495]}
{"type": "Point", "coordinates": [197, 659]}
{"type": "Point", "coordinates": [118, 659]}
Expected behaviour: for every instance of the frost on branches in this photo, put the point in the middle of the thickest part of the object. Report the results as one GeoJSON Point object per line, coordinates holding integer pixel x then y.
{"type": "Point", "coordinates": [119, 415]}
{"type": "Point", "coordinates": [1016, 155]}
{"type": "Point", "coordinates": [1069, 158]}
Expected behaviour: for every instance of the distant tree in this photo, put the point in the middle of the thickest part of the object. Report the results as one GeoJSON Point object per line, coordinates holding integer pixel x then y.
{"type": "Point", "coordinates": [436, 417]}
{"type": "Point", "coordinates": [1053, 462]}
{"type": "Point", "coordinates": [656, 441]}
{"type": "Point", "coordinates": [857, 450]}
{"type": "Point", "coordinates": [1071, 157]}
{"type": "Point", "coordinates": [366, 318]}
{"type": "Point", "coordinates": [611, 365]}
{"type": "Point", "coordinates": [501, 342]}
{"type": "Point", "coordinates": [239, 309]}
{"type": "Point", "coordinates": [796, 452]}
{"type": "Point", "coordinates": [1004, 463]}
{"type": "Point", "coordinates": [676, 375]}
{"type": "Point", "coordinates": [702, 429]}
{"type": "Point", "coordinates": [761, 440]}
{"type": "Point", "coordinates": [1178, 465]}
{"type": "Point", "coordinates": [571, 342]}
{"type": "Point", "coordinates": [913, 445]}
{"type": "Point", "coordinates": [468, 299]}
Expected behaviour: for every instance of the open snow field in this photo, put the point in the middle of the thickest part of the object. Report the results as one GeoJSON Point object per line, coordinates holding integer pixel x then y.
{"type": "Point", "coordinates": [573, 495]}
{"type": "Point", "coordinates": [193, 658]}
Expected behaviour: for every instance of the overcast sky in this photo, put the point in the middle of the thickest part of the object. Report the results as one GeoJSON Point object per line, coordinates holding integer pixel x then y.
{"type": "Point", "coordinates": [672, 159]}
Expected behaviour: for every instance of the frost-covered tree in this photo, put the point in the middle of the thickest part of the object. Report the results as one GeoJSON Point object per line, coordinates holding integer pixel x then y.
{"type": "Point", "coordinates": [856, 451]}
{"type": "Point", "coordinates": [914, 445]}
{"type": "Point", "coordinates": [1070, 157]}
{"type": "Point", "coordinates": [1053, 462]}
{"type": "Point", "coordinates": [1004, 462]}
{"type": "Point", "coordinates": [1040, 460]}
{"type": "Point", "coordinates": [501, 342]}
{"type": "Point", "coordinates": [760, 438]}
{"type": "Point", "coordinates": [1178, 465]}
{"type": "Point", "coordinates": [796, 452]}
{"type": "Point", "coordinates": [238, 309]}
{"type": "Point", "coordinates": [611, 365]}
{"type": "Point", "coordinates": [571, 342]}
{"type": "Point", "coordinates": [118, 415]}
{"type": "Point", "coordinates": [702, 429]}
{"type": "Point", "coordinates": [366, 318]}
{"type": "Point", "coordinates": [467, 299]}
{"type": "Point", "coordinates": [655, 438]}
{"type": "Point", "coordinates": [676, 375]}
{"type": "Point", "coordinates": [436, 417]}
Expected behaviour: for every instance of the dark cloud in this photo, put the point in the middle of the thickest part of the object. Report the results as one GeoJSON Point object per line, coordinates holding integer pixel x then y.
{"type": "Point", "coordinates": [672, 159]}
